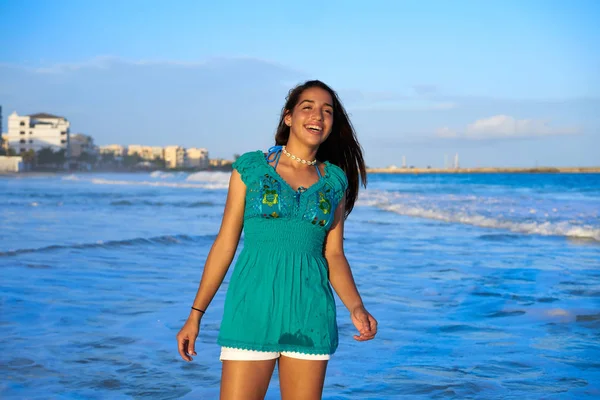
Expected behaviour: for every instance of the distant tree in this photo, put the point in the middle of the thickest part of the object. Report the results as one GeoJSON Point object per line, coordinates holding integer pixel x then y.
{"type": "Point", "coordinates": [11, 152]}
{"type": "Point", "coordinates": [48, 156]}
{"type": "Point", "coordinates": [60, 157]}
{"type": "Point", "coordinates": [45, 156]}
{"type": "Point", "coordinates": [159, 162]}
{"type": "Point", "coordinates": [108, 158]}
{"type": "Point", "coordinates": [87, 158]}
{"type": "Point", "coordinates": [29, 156]}
{"type": "Point", "coordinates": [131, 160]}
{"type": "Point", "coordinates": [236, 156]}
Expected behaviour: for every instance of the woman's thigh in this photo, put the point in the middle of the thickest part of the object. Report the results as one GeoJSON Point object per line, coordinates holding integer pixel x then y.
{"type": "Point", "coordinates": [301, 379]}
{"type": "Point", "coordinates": [246, 379]}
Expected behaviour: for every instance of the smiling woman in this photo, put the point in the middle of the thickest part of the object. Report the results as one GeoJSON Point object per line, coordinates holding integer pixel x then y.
{"type": "Point", "coordinates": [279, 305]}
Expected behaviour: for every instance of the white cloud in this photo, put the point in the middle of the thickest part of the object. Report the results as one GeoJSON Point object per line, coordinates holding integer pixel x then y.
{"type": "Point", "coordinates": [506, 127]}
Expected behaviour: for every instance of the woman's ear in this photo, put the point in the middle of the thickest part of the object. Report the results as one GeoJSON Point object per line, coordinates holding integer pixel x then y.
{"type": "Point", "coordinates": [288, 119]}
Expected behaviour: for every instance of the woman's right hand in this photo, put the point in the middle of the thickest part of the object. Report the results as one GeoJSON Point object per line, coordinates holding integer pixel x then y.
{"type": "Point", "coordinates": [186, 338]}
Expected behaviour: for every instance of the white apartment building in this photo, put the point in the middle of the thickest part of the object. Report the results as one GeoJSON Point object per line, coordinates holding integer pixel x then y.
{"type": "Point", "coordinates": [11, 164]}
{"type": "Point", "coordinates": [36, 131]}
{"type": "Point", "coordinates": [174, 156]}
{"type": "Point", "coordinates": [196, 158]}
{"type": "Point", "coordinates": [115, 149]}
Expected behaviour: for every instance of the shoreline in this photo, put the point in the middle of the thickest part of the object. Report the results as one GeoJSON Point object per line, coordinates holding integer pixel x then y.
{"type": "Point", "coordinates": [481, 170]}
{"type": "Point", "coordinates": [486, 170]}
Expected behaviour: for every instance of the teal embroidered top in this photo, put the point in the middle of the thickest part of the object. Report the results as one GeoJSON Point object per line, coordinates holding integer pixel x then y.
{"type": "Point", "coordinates": [279, 297]}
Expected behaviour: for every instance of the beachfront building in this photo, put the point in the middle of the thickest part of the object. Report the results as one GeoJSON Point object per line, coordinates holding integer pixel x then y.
{"type": "Point", "coordinates": [80, 143]}
{"type": "Point", "coordinates": [145, 152]}
{"type": "Point", "coordinates": [11, 164]}
{"type": "Point", "coordinates": [4, 142]}
{"type": "Point", "coordinates": [36, 131]}
{"type": "Point", "coordinates": [219, 162]}
{"type": "Point", "coordinates": [174, 157]}
{"type": "Point", "coordinates": [134, 149]}
{"type": "Point", "coordinates": [196, 157]}
{"type": "Point", "coordinates": [115, 149]}
{"type": "Point", "coordinates": [153, 152]}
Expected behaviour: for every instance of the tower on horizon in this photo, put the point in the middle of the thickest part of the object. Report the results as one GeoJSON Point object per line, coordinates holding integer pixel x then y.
{"type": "Point", "coordinates": [456, 165]}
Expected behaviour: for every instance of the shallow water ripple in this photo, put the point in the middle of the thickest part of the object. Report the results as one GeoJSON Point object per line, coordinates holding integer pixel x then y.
{"type": "Point", "coordinates": [94, 290]}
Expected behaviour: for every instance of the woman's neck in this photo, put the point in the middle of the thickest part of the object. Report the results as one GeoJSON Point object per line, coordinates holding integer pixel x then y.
{"type": "Point", "coordinates": [301, 151]}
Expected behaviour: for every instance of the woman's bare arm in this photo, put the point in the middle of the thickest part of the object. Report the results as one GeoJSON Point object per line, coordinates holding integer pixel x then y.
{"type": "Point", "coordinates": [217, 263]}
{"type": "Point", "coordinates": [340, 274]}
{"type": "Point", "coordinates": [340, 277]}
{"type": "Point", "coordinates": [223, 249]}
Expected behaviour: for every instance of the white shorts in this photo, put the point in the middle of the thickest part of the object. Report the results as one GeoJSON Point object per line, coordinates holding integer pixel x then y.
{"type": "Point", "coordinates": [229, 353]}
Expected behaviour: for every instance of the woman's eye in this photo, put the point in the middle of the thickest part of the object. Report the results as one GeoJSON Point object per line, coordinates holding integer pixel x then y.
{"type": "Point", "coordinates": [329, 112]}
{"type": "Point", "coordinates": [306, 108]}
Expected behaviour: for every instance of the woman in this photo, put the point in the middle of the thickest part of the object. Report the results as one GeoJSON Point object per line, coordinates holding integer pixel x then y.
{"type": "Point", "coordinates": [279, 304]}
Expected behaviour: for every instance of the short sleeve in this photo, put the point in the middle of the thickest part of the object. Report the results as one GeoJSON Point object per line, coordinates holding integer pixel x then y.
{"type": "Point", "coordinates": [247, 164]}
{"type": "Point", "coordinates": [341, 181]}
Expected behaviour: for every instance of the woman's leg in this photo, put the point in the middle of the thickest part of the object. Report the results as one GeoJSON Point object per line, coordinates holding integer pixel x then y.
{"type": "Point", "coordinates": [301, 379]}
{"type": "Point", "coordinates": [247, 380]}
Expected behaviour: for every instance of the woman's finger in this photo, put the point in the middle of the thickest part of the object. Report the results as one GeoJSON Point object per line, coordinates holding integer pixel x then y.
{"type": "Point", "coordinates": [191, 347]}
{"type": "Point", "coordinates": [372, 323]}
{"type": "Point", "coordinates": [182, 347]}
{"type": "Point", "coordinates": [363, 338]}
{"type": "Point", "coordinates": [364, 322]}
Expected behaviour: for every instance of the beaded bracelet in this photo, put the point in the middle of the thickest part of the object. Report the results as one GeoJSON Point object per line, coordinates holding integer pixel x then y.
{"type": "Point", "coordinates": [197, 309]}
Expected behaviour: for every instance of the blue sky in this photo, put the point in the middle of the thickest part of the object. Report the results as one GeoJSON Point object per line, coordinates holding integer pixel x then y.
{"type": "Point", "coordinates": [501, 83]}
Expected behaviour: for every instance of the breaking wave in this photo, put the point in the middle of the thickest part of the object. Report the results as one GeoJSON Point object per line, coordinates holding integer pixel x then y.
{"type": "Point", "coordinates": [165, 240]}
{"type": "Point", "coordinates": [463, 212]}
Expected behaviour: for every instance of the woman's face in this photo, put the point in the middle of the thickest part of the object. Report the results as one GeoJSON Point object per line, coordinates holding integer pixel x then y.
{"type": "Point", "coordinates": [311, 119]}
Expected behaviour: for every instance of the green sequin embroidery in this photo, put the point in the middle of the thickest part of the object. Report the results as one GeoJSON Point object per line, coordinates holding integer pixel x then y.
{"type": "Point", "coordinates": [324, 203]}
{"type": "Point", "coordinates": [270, 197]}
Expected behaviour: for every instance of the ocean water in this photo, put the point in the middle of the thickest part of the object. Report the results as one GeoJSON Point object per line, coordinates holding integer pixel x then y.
{"type": "Point", "coordinates": [484, 286]}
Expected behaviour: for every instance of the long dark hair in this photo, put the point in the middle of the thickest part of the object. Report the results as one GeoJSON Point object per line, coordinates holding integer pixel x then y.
{"type": "Point", "coordinates": [341, 147]}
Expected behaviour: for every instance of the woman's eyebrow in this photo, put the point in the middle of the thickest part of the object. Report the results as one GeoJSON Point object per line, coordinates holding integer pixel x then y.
{"type": "Point", "coordinates": [312, 101]}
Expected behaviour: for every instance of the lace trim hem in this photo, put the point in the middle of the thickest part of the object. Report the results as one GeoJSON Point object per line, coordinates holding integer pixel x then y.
{"type": "Point", "coordinates": [273, 348]}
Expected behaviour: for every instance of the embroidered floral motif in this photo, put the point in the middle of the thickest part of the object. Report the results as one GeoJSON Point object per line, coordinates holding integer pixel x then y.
{"type": "Point", "coordinates": [270, 197]}
{"type": "Point", "coordinates": [324, 204]}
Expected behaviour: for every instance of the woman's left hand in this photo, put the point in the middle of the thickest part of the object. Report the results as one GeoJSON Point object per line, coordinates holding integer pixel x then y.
{"type": "Point", "coordinates": [364, 322]}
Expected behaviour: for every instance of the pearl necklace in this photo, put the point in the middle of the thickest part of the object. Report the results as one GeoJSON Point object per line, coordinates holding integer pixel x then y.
{"type": "Point", "coordinates": [293, 157]}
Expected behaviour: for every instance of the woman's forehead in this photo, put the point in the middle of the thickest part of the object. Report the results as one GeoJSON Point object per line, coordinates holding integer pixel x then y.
{"type": "Point", "coordinates": [315, 94]}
